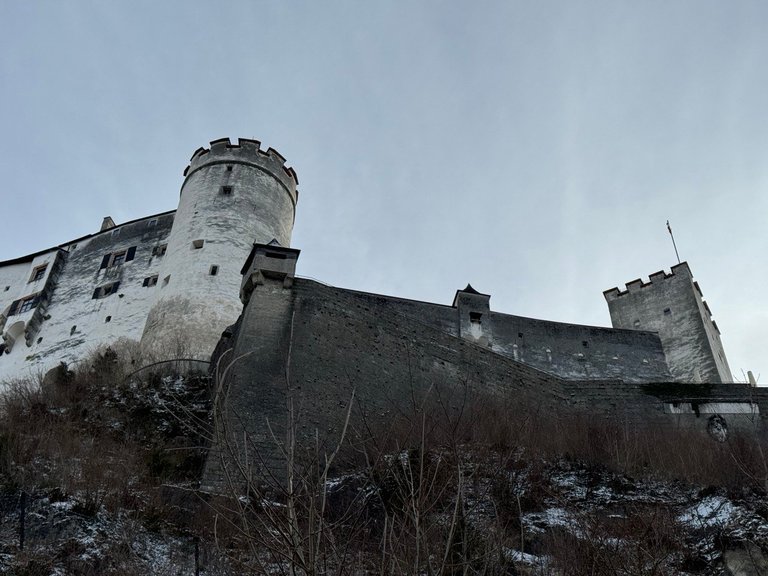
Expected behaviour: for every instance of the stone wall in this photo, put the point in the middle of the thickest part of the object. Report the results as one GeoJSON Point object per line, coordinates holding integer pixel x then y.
{"type": "Point", "coordinates": [305, 349]}
{"type": "Point", "coordinates": [673, 305]}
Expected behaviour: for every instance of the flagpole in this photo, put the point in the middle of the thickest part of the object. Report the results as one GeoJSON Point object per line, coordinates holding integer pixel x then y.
{"type": "Point", "coordinates": [673, 241]}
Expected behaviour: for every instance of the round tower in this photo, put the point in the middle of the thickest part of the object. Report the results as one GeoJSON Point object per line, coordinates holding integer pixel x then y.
{"type": "Point", "coordinates": [233, 195]}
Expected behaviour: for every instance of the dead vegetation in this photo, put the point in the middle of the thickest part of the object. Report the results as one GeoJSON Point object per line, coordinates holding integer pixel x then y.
{"type": "Point", "coordinates": [110, 463]}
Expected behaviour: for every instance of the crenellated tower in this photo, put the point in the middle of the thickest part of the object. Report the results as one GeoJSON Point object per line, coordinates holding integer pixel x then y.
{"type": "Point", "coordinates": [673, 305]}
{"type": "Point", "coordinates": [233, 195]}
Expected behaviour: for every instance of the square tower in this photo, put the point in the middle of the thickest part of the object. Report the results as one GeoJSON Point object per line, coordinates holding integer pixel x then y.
{"type": "Point", "coordinates": [672, 305]}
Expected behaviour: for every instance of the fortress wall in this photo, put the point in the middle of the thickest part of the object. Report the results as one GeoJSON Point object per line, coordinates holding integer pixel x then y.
{"type": "Point", "coordinates": [438, 316]}
{"type": "Point", "coordinates": [317, 345]}
{"type": "Point", "coordinates": [338, 344]}
{"type": "Point", "coordinates": [672, 404]}
{"type": "Point", "coordinates": [580, 352]}
{"type": "Point", "coordinates": [554, 347]}
{"type": "Point", "coordinates": [72, 323]}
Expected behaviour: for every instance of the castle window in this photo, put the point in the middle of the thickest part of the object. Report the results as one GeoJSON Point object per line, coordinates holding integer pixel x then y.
{"type": "Point", "coordinates": [214, 270]}
{"type": "Point", "coordinates": [116, 232]}
{"type": "Point", "coordinates": [38, 273]}
{"type": "Point", "coordinates": [226, 190]}
{"type": "Point", "coordinates": [118, 258]}
{"type": "Point", "coordinates": [7, 288]}
{"type": "Point", "coordinates": [197, 244]}
{"type": "Point", "coordinates": [39, 339]}
{"type": "Point", "coordinates": [72, 330]}
{"type": "Point", "coordinates": [475, 317]}
{"type": "Point", "coordinates": [108, 319]}
{"type": "Point", "coordinates": [519, 334]}
{"type": "Point", "coordinates": [24, 305]}
{"type": "Point", "coordinates": [150, 281]}
{"type": "Point", "coordinates": [152, 222]}
{"type": "Point", "coordinates": [229, 167]}
{"type": "Point", "coordinates": [584, 343]}
{"type": "Point", "coordinates": [667, 311]}
{"type": "Point", "coordinates": [636, 323]}
{"type": "Point", "coordinates": [159, 250]}
{"type": "Point", "coordinates": [166, 280]}
{"type": "Point", "coordinates": [27, 304]}
{"type": "Point", "coordinates": [106, 290]}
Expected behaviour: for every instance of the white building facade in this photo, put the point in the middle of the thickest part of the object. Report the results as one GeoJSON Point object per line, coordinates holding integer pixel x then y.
{"type": "Point", "coordinates": [154, 279]}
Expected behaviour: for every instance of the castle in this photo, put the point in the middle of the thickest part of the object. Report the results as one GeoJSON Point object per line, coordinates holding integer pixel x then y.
{"type": "Point", "coordinates": [172, 281]}
{"type": "Point", "coordinates": [216, 280]}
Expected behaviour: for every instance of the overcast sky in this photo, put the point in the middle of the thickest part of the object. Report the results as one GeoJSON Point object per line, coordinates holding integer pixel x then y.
{"type": "Point", "coordinates": [535, 149]}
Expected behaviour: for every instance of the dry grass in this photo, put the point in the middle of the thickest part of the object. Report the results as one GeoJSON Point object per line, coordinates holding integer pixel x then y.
{"type": "Point", "coordinates": [436, 490]}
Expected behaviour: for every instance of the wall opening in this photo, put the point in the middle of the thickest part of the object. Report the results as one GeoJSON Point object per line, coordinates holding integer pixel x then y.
{"type": "Point", "coordinates": [108, 319]}
{"type": "Point", "coordinates": [38, 273]}
{"type": "Point", "coordinates": [226, 190]}
{"type": "Point", "coordinates": [197, 244]}
{"type": "Point", "coordinates": [214, 270]}
{"type": "Point", "coordinates": [475, 317]}
{"type": "Point", "coordinates": [72, 330]}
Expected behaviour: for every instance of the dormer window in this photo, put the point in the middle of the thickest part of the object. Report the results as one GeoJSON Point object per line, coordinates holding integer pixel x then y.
{"type": "Point", "coordinates": [226, 190]}
{"type": "Point", "coordinates": [38, 273]}
{"type": "Point", "coordinates": [475, 317]}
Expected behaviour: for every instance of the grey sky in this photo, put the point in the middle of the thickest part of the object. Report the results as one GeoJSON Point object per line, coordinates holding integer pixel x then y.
{"type": "Point", "coordinates": [535, 149]}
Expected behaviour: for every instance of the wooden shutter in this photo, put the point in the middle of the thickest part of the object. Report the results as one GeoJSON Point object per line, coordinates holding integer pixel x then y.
{"type": "Point", "coordinates": [131, 253]}
{"type": "Point", "coordinates": [14, 307]}
{"type": "Point", "coordinates": [105, 261]}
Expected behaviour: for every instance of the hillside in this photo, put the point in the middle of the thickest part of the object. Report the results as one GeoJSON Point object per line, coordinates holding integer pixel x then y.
{"type": "Point", "coordinates": [101, 467]}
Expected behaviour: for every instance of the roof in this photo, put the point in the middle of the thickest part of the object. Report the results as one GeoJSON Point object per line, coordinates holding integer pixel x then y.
{"type": "Point", "coordinates": [30, 257]}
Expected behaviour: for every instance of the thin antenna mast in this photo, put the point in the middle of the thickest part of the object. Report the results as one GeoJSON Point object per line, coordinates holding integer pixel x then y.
{"type": "Point", "coordinates": [673, 241]}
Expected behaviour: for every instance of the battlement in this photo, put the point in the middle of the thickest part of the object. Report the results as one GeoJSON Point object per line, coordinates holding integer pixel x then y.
{"type": "Point", "coordinates": [654, 279]}
{"type": "Point", "coordinates": [246, 151]}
